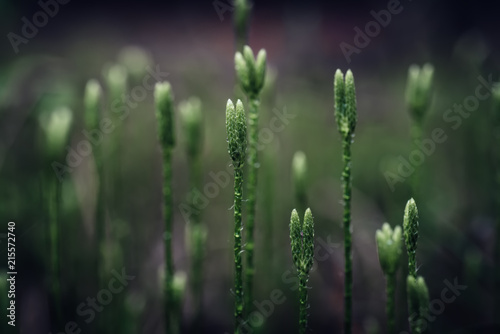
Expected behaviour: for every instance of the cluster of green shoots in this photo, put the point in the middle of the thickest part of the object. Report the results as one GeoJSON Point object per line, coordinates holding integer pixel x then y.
{"type": "Point", "coordinates": [389, 246]}
{"type": "Point", "coordinates": [251, 74]}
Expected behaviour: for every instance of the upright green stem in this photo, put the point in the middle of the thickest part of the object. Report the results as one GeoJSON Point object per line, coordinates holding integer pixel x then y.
{"type": "Point", "coordinates": [198, 248]}
{"type": "Point", "coordinates": [238, 277]}
{"type": "Point", "coordinates": [346, 179]}
{"type": "Point", "coordinates": [302, 244]}
{"type": "Point", "coordinates": [390, 303]}
{"type": "Point", "coordinates": [167, 209]}
{"type": "Point", "coordinates": [253, 166]}
{"type": "Point", "coordinates": [54, 233]}
{"type": "Point", "coordinates": [236, 128]}
{"type": "Point", "coordinates": [416, 134]}
{"type": "Point", "coordinates": [346, 117]}
{"type": "Point", "coordinates": [303, 277]}
{"type": "Point", "coordinates": [241, 20]}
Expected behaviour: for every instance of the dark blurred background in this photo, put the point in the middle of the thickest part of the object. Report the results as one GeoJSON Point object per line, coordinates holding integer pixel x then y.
{"type": "Point", "coordinates": [195, 44]}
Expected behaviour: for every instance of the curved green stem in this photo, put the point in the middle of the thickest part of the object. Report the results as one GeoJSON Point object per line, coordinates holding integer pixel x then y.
{"type": "Point", "coordinates": [238, 277]}
{"type": "Point", "coordinates": [346, 182]}
{"type": "Point", "coordinates": [167, 212]}
{"type": "Point", "coordinates": [253, 166]}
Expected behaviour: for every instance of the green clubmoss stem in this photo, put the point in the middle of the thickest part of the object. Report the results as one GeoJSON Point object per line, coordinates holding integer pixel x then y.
{"type": "Point", "coordinates": [236, 129]}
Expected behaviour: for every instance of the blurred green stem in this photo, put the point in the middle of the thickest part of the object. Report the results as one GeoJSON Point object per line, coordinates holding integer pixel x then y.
{"type": "Point", "coordinates": [53, 187]}
{"type": "Point", "coordinates": [241, 22]}
{"type": "Point", "coordinates": [390, 303]}
{"type": "Point", "coordinates": [253, 166]}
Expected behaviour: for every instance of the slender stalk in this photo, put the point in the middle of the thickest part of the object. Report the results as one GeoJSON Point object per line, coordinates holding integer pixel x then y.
{"type": "Point", "coordinates": [56, 125]}
{"type": "Point", "coordinates": [303, 278]}
{"type": "Point", "coordinates": [236, 129]}
{"type": "Point", "coordinates": [346, 183]}
{"type": "Point", "coordinates": [167, 209]}
{"type": "Point", "coordinates": [267, 203]}
{"type": "Point", "coordinates": [299, 177]}
{"type": "Point", "coordinates": [389, 248]}
{"type": "Point", "coordinates": [251, 74]}
{"type": "Point", "coordinates": [192, 119]}
{"type": "Point", "coordinates": [54, 190]}
{"type": "Point", "coordinates": [302, 244]}
{"type": "Point", "coordinates": [390, 303]}
{"type": "Point", "coordinates": [253, 166]}
{"type": "Point", "coordinates": [241, 22]}
{"type": "Point", "coordinates": [92, 101]}
{"type": "Point", "coordinates": [418, 97]}
{"type": "Point", "coordinates": [418, 303]}
{"type": "Point", "coordinates": [346, 117]}
{"type": "Point", "coordinates": [164, 114]}
{"type": "Point", "coordinates": [116, 78]}
{"type": "Point", "coordinates": [238, 265]}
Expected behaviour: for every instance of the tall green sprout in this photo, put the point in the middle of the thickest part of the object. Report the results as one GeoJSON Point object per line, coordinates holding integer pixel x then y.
{"type": "Point", "coordinates": [418, 303]}
{"type": "Point", "coordinates": [241, 22]}
{"type": "Point", "coordinates": [389, 246]}
{"type": "Point", "coordinates": [236, 128]}
{"type": "Point", "coordinates": [418, 296]}
{"type": "Point", "coordinates": [192, 120]}
{"type": "Point", "coordinates": [178, 290]}
{"type": "Point", "coordinates": [165, 116]}
{"type": "Point", "coordinates": [56, 125]}
{"type": "Point", "coordinates": [418, 98]}
{"type": "Point", "coordinates": [92, 103]}
{"type": "Point", "coordinates": [251, 74]}
{"type": "Point", "coordinates": [345, 115]}
{"type": "Point", "coordinates": [410, 227]}
{"type": "Point", "coordinates": [116, 79]}
{"type": "Point", "coordinates": [302, 244]}
{"type": "Point", "coordinates": [299, 178]}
